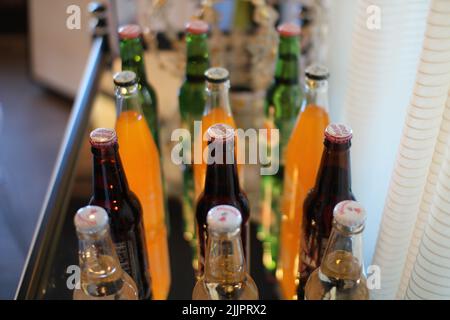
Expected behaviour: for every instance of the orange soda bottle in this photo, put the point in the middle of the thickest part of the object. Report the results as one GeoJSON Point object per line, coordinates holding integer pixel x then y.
{"type": "Point", "coordinates": [217, 110]}
{"type": "Point", "coordinates": [303, 154]}
{"type": "Point", "coordinates": [142, 167]}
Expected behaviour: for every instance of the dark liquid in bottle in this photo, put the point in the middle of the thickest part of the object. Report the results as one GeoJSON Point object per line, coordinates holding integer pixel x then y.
{"type": "Point", "coordinates": [333, 185]}
{"type": "Point", "coordinates": [221, 188]}
{"type": "Point", "coordinates": [125, 215]}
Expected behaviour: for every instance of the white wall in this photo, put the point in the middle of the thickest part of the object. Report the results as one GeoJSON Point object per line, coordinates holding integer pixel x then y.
{"type": "Point", "coordinates": [57, 54]}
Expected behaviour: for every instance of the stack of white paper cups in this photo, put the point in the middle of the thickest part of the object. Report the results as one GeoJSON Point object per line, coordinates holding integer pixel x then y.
{"type": "Point", "coordinates": [417, 147]}
{"type": "Point", "coordinates": [440, 152]}
{"type": "Point", "coordinates": [430, 276]}
{"type": "Point", "coordinates": [386, 43]}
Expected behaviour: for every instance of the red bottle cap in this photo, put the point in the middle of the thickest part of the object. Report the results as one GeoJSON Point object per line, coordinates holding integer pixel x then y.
{"type": "Point", "coordinates": [103, 137]}
{"type": "Point", "coordinates": [220, 132]}
{"type": "Point", "coordinates": [129, 31]}
{"type": "Point", "coordinates": [289, 29]}
{"type": "Point", "coordinates": [338, 133]}
{"type": "Point", "coordinates": [197, 27]}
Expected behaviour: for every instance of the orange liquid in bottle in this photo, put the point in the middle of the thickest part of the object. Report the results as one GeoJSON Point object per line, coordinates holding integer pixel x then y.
{"type": "Point", "coordinates": [141, 164]}
{"type": "Point", "coordinates": [216, 115]}
{"type": "Point", "coordinates": [303, 154]}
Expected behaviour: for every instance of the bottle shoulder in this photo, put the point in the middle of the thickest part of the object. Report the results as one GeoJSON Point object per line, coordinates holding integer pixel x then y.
{"type": "Point", "coordinates": [124, 212]}
{"type": "Point", "coordinates": [148, 92]}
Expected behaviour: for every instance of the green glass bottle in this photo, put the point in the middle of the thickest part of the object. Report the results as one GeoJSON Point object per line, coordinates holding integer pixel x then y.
{"type": "Point", "coordinates": [192, 103]}
{"type": "Point", "coordinates": [284, 99]}
{"type": "Point", "coordinates": [132, 54]}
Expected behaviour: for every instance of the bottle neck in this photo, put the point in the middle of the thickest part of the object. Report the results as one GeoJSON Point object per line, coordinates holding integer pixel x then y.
{"type": "Point", "coordinates": [132, 55]}
{"type": "Point", "coordinates": [334, 175]}
{"type": "Point", "coordinates": [221, 172]}
{"type": "Point", "coordinates": [197, 57]}
{"type": "Point", "coordinates": [225, 261]}
{"type": "Point", "coordinates": [109, 180]}
{"type": "Point", "coordinates": [101, 272]}
{"type": "Point", "coordinates": [127, 99]}
{"type": "Point", "coordinates": [217, 97]}
{"type": "Point", "coordinates": [343, 257]}
{"type": "Point", "coordinates": [287, 65]}
{"type": "Point", "coordinates": [316, 93]}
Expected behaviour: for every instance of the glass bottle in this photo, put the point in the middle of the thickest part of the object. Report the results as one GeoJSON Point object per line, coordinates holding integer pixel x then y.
{"type": "Point", "coordinates": [283, 102]}
{"type": "Point", "coordinates": [341, 274]}
{"type": "Point", "coordinates": [226, 276]}
{"type": "Point", "coordinates": [111, 192]}
{"type": "Point", "coordinates": [102, 277]}
{"type": "Point", "coordinates": [192, 99]}
{"type": "Point", "coordinates": [302, 160]}
{"type": "Point", "coordinates": [333, 185]}
{"type": "Point", "coordinates": [132, 55]}
{"type": "Point", "coordinates": [221, 187]}
{"type": "Point", "coordinates": [142, 167]}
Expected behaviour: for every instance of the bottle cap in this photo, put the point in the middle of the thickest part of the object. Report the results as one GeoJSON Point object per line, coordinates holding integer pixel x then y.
{"type": "Point", "coordinates": [220, 132]}
{"type": "Point", "coordinates": [317, 72]}
{"type": "Point", "coordinates": [197, 27]}
{"type": "Point", "coordinates": [124, 78]}
{"type": "Point", "coordinates": [349, 213]}
{"type": "Point", "coordinates": [289, 29]}
{"type": "Point", "coordinates": [217, 75]}
{"type": "Point", "coordinates": [224, 218]}
{"type": "Point", "coordinates": [338, 133]}
{"type": "Point", "coordinates": [102, 137]}
{"type": "Point", "coordinates": [130, 31]}
{"type": "Point", "coordinates": [90, 219]}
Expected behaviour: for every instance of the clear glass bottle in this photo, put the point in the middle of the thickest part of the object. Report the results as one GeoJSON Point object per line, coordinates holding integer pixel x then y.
{"type": "Point", "coordinates": [225, 276]}
{"type": "Point", "coordinates": [341, 274]}
{"type": "Point", "coordinates": [102, 277]}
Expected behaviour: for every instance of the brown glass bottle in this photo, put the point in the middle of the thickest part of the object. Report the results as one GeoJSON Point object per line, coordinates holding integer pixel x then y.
{"type": "Point", "coordinates": [111, 192]}
{"type": "Point", "coordinates": [333, 185]}
{"type": "Point", "coordinates": [221, 187]}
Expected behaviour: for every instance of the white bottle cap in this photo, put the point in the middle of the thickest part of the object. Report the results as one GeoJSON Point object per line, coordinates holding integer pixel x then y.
{"type": "Point", "coordinates": [349, 213]}
{"type": "Point", "coordinates": [90, 219]}
{"type": "Point", "coordinates": [224, 219]}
